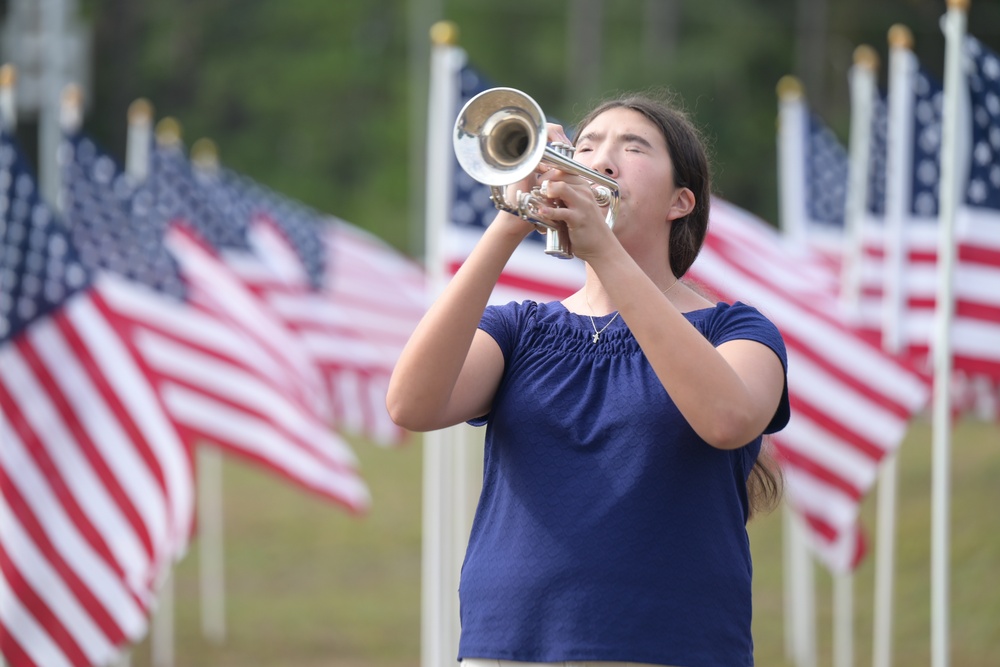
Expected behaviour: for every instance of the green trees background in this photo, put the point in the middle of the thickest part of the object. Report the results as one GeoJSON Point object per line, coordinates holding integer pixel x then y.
{"type": "Point", "coordinates": [326, 101]}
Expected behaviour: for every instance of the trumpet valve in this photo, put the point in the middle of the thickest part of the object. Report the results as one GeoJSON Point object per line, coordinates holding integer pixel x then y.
{"type": "Point", "coordinates": [564, 149]}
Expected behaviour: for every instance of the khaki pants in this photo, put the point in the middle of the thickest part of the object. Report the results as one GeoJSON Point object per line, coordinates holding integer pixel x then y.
{"type": "Point", "coordinates": [490, 662]}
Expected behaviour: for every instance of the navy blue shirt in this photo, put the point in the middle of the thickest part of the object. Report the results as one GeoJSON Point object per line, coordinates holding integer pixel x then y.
{"type": "Point", "coordinates": [607, 529]}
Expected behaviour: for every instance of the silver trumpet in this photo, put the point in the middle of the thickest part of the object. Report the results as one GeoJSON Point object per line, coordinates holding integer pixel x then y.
{"type": "Point", "coordinates": [500, 138]}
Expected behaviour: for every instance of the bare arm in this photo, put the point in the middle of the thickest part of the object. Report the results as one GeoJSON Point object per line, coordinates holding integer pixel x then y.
{"type": "Point", "coordinates": [449, 370]}
{"type": "Point", "coordinates": [729, 393]}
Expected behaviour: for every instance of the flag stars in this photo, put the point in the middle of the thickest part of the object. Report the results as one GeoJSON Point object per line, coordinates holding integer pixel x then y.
{"type": "Point", "coordinates": [984, 84]}
{"type": "Point", "coordinates": [991, 67]}
{"type": "Point", "coordinates": [977, 192]}
{"type": "Point", "coordinates": [104, 170]}
{"type": "Point", "coordinates": [983, 154]}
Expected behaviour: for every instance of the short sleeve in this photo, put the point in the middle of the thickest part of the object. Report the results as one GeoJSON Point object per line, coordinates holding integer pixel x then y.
{"type": "Point", "coordinates": [503, 324]}
{"type": "Point", "coordinates": [742, 322]}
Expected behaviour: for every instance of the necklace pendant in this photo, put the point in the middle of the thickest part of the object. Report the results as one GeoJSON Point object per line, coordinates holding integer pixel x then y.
{"type": "Point", "coordinates": [596, 337]}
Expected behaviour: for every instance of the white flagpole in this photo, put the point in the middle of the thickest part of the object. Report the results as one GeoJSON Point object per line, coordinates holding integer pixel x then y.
{"type": "Point", "coordinates": [800, 593]}
{"type": "Point", "coordinates": [954, 84]}
{"type": "Point", "coordinates": [899, 151]}
{"type": "Point", "coordinates": [8, 110]}
{"type": "Point", "coordinates": [211, 542]}
{"type": "Point", "coordinates": [792, 120]}
{"type": "Point", "coordinates": [799, 575]}
{"type": "Point", "coordinates": [54, 21]}
{"type": "Point", "coordinates": [139, 139]}
{"type": "Point", "coordinates": [443, 473]}
{"type": "Point", "coordinates": [899, 158]}
{"type": "Point", "coordinates": [137, 158]}
{"type": "Point", "coordinates": [863, 90]}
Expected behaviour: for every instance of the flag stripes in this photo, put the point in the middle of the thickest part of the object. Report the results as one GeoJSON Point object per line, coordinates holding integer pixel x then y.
{"type": "Point", "coordinates": [350, 300]}
{"type": "Point", "coordinates": [228, 371]}
{"type": "Point", "coordinates": [851, 403]}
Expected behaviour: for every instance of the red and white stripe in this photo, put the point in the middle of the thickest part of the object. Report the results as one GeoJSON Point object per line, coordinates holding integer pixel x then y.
{"type": "Point", "coordinates": [851, 403]}
{"type": "Point", "coordinates": [216, 363]}
{"type": "Point", "coordinates": [530, 273]}
{"type": "Point", "coordinates": [96, 489]}
{"type": "Point", "coordinates": [355, 326]}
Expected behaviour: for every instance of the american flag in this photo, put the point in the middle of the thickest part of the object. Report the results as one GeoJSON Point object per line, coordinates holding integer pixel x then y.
{"type": "Point", "coordinates": [96, 489]}
{"type": "Point", "coordinates": [851, 403]}
{"type": "Point", "coordinates": [223, 383]}
{"type": "Point", "coordinates": [825, 180]}
{"type": "Point", "coordinates": [350, 298]}
{"type": "Point", "coordinates": [180, 198]}
{"type": "Point", "coordinates": [909, 272]}
{"type": "Point", "coordinates": [824, 186]}
{"type": "Point", "coordinates": [898, 261]}
{"type": "Point", "coordinates": [976, 323]}
{"type": "Point", "coordinates": [976, 335]}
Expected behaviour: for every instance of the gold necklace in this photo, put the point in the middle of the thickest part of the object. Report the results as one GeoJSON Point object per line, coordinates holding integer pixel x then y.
{"type": "Point", "coordinates": [597, 333]}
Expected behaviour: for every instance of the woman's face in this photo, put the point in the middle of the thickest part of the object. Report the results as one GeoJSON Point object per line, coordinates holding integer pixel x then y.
{"type": "Point", "coordinates": [628, 147]}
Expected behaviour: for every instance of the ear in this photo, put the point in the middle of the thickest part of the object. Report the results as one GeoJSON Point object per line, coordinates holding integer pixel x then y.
{"type": "Point", "coordinates": [682, 205]}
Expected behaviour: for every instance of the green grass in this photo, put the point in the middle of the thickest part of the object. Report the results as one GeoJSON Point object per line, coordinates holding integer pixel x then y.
{"type": "Point", "coordinates": [310, 586]}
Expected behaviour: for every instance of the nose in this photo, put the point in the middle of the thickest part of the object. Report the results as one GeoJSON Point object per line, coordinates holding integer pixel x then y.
{"type": "Point", "coordinates": [603, 161]}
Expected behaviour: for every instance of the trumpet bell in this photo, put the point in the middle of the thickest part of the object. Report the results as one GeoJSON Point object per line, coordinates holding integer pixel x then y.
{"type": "Point", "coordinates": [500, 136]}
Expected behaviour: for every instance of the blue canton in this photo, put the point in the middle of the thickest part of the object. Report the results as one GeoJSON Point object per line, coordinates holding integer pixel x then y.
{"type": "Point", "coordinates": [471, 206]}
{"type": "Point", "coordinates": [875, 200]}
{"type": "Point", "coordinates": [984, 84]}
{"type": "Point", "coordinates": [39, 267]}
{"type": "Point", "coordinates": [826, 175]}
{"type": "Point", "coordinates": [238, 199]}
{"type": "Point", "coordinates": [927, 103]}
{"type": "Point", "coordinates": [114, 220]}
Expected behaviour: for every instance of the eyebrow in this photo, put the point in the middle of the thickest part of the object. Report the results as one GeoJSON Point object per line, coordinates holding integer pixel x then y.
{"type": "Point", "coordinates": [627, 138]}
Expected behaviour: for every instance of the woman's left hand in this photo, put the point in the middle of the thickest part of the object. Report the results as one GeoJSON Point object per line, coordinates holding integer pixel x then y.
{"type": "Point", "coordinates": [574, 208]}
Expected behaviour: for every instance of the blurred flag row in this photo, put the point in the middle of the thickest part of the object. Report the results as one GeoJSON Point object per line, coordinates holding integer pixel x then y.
{"type": "Point", "coordinates": [893, 245]}
{"type": "Point", "coordinates": [886, 250]}
{"type": "Point", "coordinates": [148, 316]}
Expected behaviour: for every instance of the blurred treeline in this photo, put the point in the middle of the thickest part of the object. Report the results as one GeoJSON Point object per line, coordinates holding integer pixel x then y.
{"type": "Point", "coordinates": [325, 101]}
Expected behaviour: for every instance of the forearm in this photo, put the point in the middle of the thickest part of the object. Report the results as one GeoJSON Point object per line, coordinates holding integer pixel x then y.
{"type": "Point", "coordinates": [421, 389]}
{"type": "Point", "coordinates": [708, 387]}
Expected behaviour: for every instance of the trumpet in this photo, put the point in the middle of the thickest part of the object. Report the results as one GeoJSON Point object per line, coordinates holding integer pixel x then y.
{"type": "Point", "coordinates": [499, 139]}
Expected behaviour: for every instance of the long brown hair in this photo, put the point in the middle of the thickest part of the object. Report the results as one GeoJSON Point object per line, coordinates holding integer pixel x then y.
{"type": "Point", "coordinates": [689, 156]}
{"type": "Point", "coordinates": [766, 483]}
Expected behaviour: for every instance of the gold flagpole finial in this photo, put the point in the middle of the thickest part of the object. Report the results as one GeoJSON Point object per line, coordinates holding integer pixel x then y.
{"type": "Point", "coordinates": [444, 33]}
{"type": "Point", "coordinates": [140, 112]}
{"type": "Point", "coordinates": [205, 154]}
{"type": "Point", "coordinates": [168, 132]}
{"type": "Point", "coordinates": [866, 56]}
{"type": "Point", "coordinates": [900, 37]}
{"type": "Point", "coordinates": [789, 88]}
{"type": "Point", "coordinates": [8, 76]}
